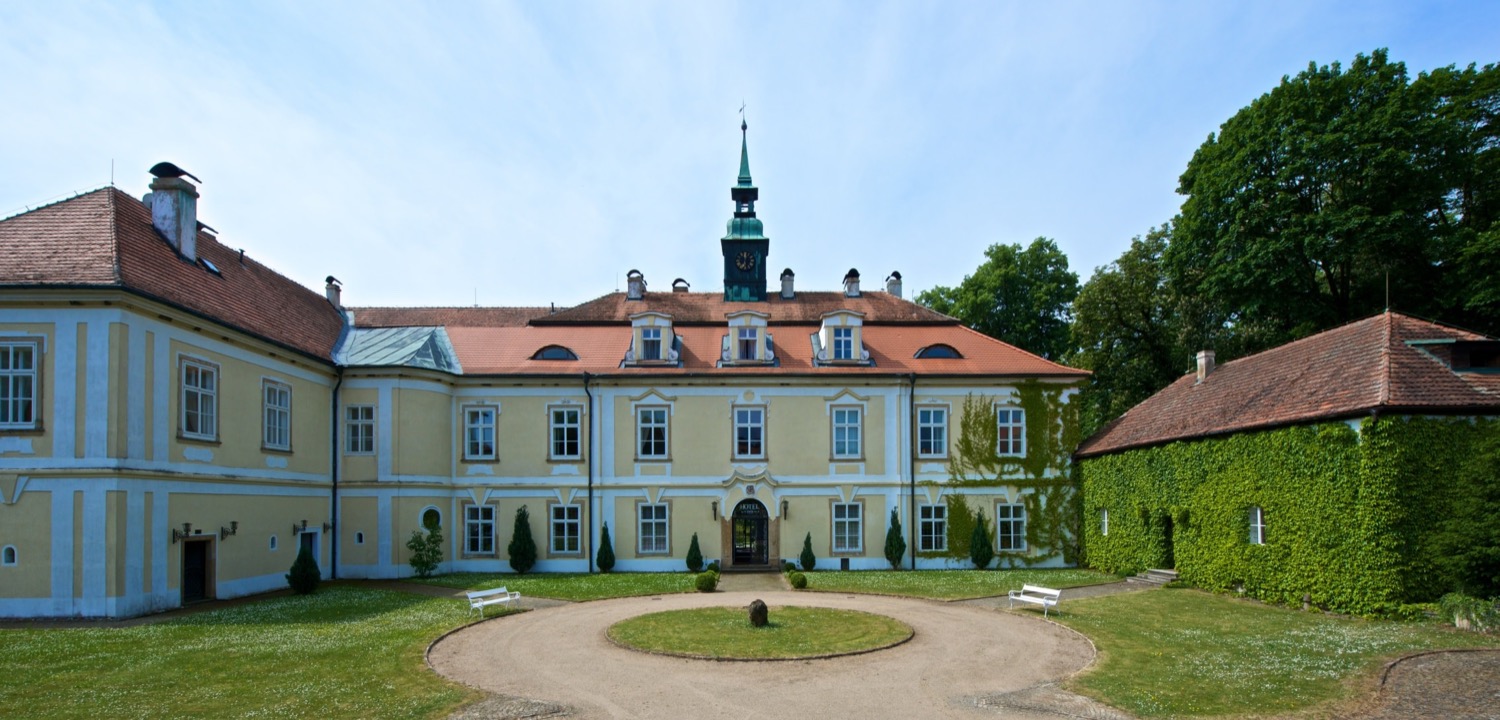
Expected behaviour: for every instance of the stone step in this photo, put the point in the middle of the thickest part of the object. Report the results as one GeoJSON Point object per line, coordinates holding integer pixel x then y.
{"type": "Point", "coordinates": [1154, 576]}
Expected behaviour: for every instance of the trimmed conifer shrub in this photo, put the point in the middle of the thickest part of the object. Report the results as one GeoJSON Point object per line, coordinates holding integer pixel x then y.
{"type": "Point", "coordinates": [305, 575]}
{"type": "Point", "coordinates": [426, 550]}
{"type": "Point", "coordinates": [981, 548]}
{"type": "Point", "coordinates": [895, 544]}
{"type": "Point", "coordinates": [522, 548]}
{"type": "Point", "coordinates": [694, 556]}
{"type": "Point", "coordinates": [807, 558]}
{"type": "Point", "coordinates": [605, 558]}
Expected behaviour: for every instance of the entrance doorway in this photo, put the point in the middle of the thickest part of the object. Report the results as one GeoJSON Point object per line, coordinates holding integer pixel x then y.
{"type": "Point", "coordinates": [1169, 549]}
{"type": "Point", "coordinates": [197, 570]}
{"type": "Point", "coordinates": [750, 536]}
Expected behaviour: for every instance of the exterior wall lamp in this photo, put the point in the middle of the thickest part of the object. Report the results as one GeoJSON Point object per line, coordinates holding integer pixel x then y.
{"type": "Point", "coordinates": [185, 533]}
{"type": "Point", "coordinates": [715, 506]}
{"type": "Point", "coordinates": [225, 532]}
{"type": "Point", "coordinates": [784, 507]}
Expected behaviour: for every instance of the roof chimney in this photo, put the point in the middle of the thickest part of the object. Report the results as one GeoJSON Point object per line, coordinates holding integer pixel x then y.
{"type": "Point", "coordinates": [851, 283]}
{"type": "Point", "coordinates": [635, 285]}
{"type": "Point", "coordinates": [787, 276]}
{"type": "Point", "coordinates": [174, 208]}
{"type": "Point", "coordinates": [680, 285]}
{"type": "Point", "coordinates": [893, 283]}
{"type": "Point", "coordinates": [1205, 363]}
{"type": "Point", "coordinates": [332, 289]}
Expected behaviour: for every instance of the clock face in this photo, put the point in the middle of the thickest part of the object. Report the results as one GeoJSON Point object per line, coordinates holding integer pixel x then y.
{"type": "Point", "coordinates": [745, 261]}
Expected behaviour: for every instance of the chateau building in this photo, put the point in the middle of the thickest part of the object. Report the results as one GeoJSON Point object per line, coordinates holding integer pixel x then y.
{"type": "Point", "coordinates": [177, 420]}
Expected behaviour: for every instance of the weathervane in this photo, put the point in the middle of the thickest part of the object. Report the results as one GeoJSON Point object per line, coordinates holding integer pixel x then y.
{"type": "Point", "coordinates": [742, 114]}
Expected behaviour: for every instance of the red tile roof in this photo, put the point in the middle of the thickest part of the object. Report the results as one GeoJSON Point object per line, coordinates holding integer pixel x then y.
{"type": "Point", "coordinates": [689, 308]}
{"type": "Point", "coordinates": [374, 317]}
{"type": "Point", "coordinates": [1354, 370]}
{"type": "Point", "coordinates": [105, 238]}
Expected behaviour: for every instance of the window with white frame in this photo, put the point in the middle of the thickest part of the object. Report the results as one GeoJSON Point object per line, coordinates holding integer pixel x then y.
{"type": "Point", "coordinates": [479, 529]}
{"type": "Point", "coordinates": [932, 432]}
{"type": "Point", "coordinates": [18, 386]}
{"type": "Point", "coordinates": [748, 343]}
{"type": "Point", "coordinates": [848, 527]}
{"type": "Point", "coordinates": [1011, 435]}
{"type": "Point", "coordinates": [1104, 521]}
{"type": "Point", "coordinates": [651, 432]}
{"type": "Point", "coordinates": [843, 343]}
{"type": "Point", "coordinates": [652, 535]}
{"type": "Point", "coordinates": [200, 400]}
{"type": "Point", "coordinates": [932, 528]}
{"type": "Point", "coordinates": [8, 555]}
{"type": "Point", "coordinates": [1257, 526]}
{"type": "Point", "coordinates": [359, 429]}
{"type": "Point", "coordinates": [566, 529]}
{"type": "Point", "coordinates": [1010, 527]}
{"type": "Point", "coordinates": [479, 432]}
{"type": "Point", "coordinates": [566, 425]}
{"type": "Point", "coordinates": [749, 432]}
{"type": "Point", "coordinates": [846, 432]}
{"type": "Point", "coordinates": [650, 344]}
{"type": "Point", "coordinates": [277, 415]}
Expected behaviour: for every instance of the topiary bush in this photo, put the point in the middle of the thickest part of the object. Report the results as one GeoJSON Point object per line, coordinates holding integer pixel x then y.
{"type": "Point", "coordinates": [714, 566]}
{"type": "Point", "coordinates": [304, 576]}
{"type": "Point", "coordinates": [808, 559]}
{"type": "Point", "coordinates": [981, 548]}
{"type": "Point", "coordinates": [605, 558]}
{"type": "Point", "coordinates": [522, 548]}
{"type": "Point", "coordinates": [788, 566]}
{"type": "Point", "coordinates": [426, 550]}
{"type": "Point", "coordinates": [706, 582]}
{"type": "Point", "coordinates": [798, 580]}
{"type": "Point", "coordinates": [694, 556]}
{"type": "Point", "coordinates": [895, 544]}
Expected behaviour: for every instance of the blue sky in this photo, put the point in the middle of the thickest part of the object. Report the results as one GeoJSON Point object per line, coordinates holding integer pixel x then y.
{"type": "Point", "coordinates": [526, 154]}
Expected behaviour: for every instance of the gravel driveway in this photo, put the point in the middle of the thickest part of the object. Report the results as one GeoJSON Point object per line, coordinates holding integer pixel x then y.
{"type": "Point", "coordinates": [557, 661]}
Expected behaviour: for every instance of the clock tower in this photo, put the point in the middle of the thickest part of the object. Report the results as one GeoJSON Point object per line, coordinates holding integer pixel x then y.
{"type": "Point", "coordinates": [745, 245]}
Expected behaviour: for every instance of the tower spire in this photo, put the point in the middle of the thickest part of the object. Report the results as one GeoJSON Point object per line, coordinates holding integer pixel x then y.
{"type": "Point", "coordinates": [744, 179]}
{"type": "Point", "coordinates": [744, 243]}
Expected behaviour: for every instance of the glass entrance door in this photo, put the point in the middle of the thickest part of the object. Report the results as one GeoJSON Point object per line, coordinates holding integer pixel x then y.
{"type": "Point", "coordinates": [750, 534]}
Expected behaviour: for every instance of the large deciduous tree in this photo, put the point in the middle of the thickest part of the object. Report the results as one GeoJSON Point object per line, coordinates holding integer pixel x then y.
{"type": "Point", "coordinates": [1023, 296]}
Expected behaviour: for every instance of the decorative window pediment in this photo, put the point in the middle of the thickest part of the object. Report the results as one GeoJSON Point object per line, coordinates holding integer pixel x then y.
{"type": "Point", "coordinates": [747, 342]}
{"type": "Point", "coordinates": [840, 341]}
{"type": "Point", "coordinates": [652, 341]}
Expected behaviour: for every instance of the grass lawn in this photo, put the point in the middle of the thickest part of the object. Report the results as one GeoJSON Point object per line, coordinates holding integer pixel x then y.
{"type": "Point", "coordinates": [949, 584]}
{"type": "Point", "coordinates": [1186, 652]}
{"type": "Point", "coordinates": [344, 652]}
{"type": "Point", "coordinates": [570, 586]}
{"type": "Point", "coordinates": [791, 632]}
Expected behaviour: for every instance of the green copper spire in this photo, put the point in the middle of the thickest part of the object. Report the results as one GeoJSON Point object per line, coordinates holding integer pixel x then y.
{"type": "Point", "coordinates": [744, 156]}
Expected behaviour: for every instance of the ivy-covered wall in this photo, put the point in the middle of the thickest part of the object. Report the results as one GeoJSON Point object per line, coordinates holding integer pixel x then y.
{"type": "Point", "coordinates": [1400, 510]}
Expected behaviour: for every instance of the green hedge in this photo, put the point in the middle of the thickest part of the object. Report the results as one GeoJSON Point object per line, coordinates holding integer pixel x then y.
{"type": "Point", "coordinates": [1402, 510]}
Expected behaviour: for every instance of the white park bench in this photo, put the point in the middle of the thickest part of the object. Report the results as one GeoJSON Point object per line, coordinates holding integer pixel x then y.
{"type": "Point", "coordinates": [1036, 595]}
{"type": "Point", "coordinates": [480, 599]}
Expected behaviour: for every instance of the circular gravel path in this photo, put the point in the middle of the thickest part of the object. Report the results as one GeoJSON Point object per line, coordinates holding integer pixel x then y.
{"type": "Point", "coordinates": [961, 657]}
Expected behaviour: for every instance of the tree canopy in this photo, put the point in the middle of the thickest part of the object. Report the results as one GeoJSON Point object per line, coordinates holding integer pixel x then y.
{"type": "Point", "coordinates": [1023, 296]}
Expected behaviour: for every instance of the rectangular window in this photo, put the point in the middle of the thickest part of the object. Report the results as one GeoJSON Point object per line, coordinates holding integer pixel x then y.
{"type": "Point", "coordinates": [479, 433]}
{"type": "Point", "coordinates": [200, 400]}
{"type": "Point", "coordinates": [18, 386]}
{"type": "Point", "coordinates": [747, 337]}
{"type": "Point", "coordinates": [565, 529]}
{"type": "Point", "coordinates": [1011, 440]}
{"type": "Point", "coordinates": [846, 428]}
{"type": "Point", "coordinates": [1010, 527]}
{"type": "Point", "coordinates": [1104, 522]}
{"type": "Point", "coordinates": [650, 344]}
{"type": "Point", "coordinates": [843, 343]}
{"type": "Point", "coordinates": [932, 528]}
{"type": "Point", "coordinates": [566, 426]}
{"type": "Point", "coordinates": [848, 528]}
{"type": "Point", "coordinates": [653, 529]}
{"type": "Point", "coordinates": [749, 432]}
{"type": "Point", "coordinates": [651, 426]}
{"type": "Point", "coordinates": [932, 432]}
{"type": "Point", "coordinates": [1257, 526]}
{"type": "Point", "coordinates": [277, 415]}
{"type": "Point", "coordinates": [359, 430]}
{"type": "Point", "coordinates": [479, 529]}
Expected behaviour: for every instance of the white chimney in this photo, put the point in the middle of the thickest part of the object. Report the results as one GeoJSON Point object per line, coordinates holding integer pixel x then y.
{"type": "Point", "coordinates": [893, 283]}
{"type": "Point", "coordinates": [174, 212]}
{"type": "Point", "coordinates": [1205, 363]}
{"type": "Point", "coordinates": [787, 293]}
{"type": "Point", "coordinates": [635, 285]}
{"type": "Point", "coordinates": [333, 291]}
{"type": "Point", "coordinates": [851, 283]}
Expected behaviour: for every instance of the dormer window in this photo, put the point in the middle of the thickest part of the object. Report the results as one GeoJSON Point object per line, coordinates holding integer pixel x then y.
{"type": "Point", "coordinates": [747, 342]}
{"type": "Point", "coordinates": [939, 351]}
{"type": "Point", "coordinates": [650, 344]}
{"type": "Point", "coordinates": [555, 352]}
{"type": "Point", "coordinates": [840, 341]}
{"type": "Point", "coordinates": [843, 343]}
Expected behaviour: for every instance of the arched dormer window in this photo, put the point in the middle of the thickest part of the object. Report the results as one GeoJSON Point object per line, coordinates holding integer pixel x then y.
{"type": "Point", "coordinates": [938, 350]}
{"type": "Point", "coordinates": [555, 352]}
{"type": "Point", "coordinates": [652, 341]}
{"type": "Point", "coordinates": [747, 342]}
{"type": "Point", "coordinates": [840, 340]}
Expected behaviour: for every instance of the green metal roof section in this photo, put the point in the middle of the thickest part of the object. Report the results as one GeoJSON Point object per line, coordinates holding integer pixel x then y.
{"type": "Point", "coordinates": [744, 225]}
{"type": "Point", "coordinates": [744, 157]}
{"type": "Point", "coordinates": [418, 347]}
